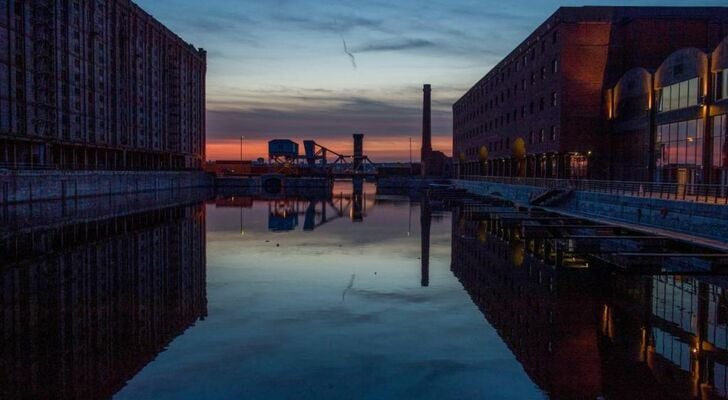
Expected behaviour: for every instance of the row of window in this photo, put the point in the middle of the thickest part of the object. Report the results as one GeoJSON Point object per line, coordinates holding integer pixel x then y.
{"type": "Point", "coordinates": [511, 117]}
{"type": "Point", "coordinates": [505, 143]}
{"type": "Point", "coordinates": [499, 97]}
{"type": "Point", "coordinates": [679, 95]}
{"type": "Point", "coordinates": [516, 65]}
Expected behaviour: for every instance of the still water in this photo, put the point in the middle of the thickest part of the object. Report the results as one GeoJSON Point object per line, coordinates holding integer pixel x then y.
{"type": "Point", "coordinates": [358, 296]}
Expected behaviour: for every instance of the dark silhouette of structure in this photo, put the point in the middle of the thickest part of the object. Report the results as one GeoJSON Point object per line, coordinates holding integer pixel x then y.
{"type": "Point", "coordinates": [98, 85]}
{"type": "Point", "coordinates": [433, 163]}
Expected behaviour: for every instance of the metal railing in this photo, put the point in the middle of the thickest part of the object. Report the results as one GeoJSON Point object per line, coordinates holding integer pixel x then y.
{"type": "Point", "coordinates": [80, 167]}
{"type": "Point", "coordinates": [699, 193]}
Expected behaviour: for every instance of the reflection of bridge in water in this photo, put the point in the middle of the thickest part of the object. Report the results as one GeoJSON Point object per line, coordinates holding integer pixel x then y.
{"type": "Point", "coordinates": [283, 215]}
{"type": "Point", "coordinates": [316, 210]}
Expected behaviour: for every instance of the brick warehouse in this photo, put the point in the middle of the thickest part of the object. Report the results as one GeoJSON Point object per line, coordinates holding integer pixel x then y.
{"type": "Point", "coordinates": [547, 109]}
{"type": "Point", "coordinates": [97, 84]}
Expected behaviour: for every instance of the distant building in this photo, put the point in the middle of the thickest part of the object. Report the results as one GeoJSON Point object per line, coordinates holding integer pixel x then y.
{"type": "Point", "coordinates": [566, 102]}
{"type": "Point", "coordinates": [433, 163]}
{"type": "Point", "coordinates": [97, 85]}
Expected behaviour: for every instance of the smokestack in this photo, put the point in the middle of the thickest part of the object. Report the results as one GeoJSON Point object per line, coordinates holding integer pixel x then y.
{"type": "Point", "coordinates": [426, 124]}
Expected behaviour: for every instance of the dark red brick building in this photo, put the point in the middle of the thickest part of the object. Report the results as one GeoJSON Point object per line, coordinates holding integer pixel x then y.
{"type": "Point", "coordinates": [547, 109]}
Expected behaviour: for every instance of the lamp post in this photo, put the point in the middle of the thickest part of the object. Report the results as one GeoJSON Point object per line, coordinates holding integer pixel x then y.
{"type": "Point", "coordinates": [241, 148]}
{"type": "Point", "coordinates": [410, 154]}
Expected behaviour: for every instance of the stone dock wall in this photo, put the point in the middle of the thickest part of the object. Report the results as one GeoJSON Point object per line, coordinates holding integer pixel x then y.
{"type": "Point", "coordinates": [31, 186]}
{"type": "Point", "coordinates": [699, 219]}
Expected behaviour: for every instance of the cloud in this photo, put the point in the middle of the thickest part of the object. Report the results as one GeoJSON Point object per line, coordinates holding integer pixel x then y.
{"type": "Point", "coordinates": [328, 23]}
{"type": "Point", "coordinates": [326, 117]}
{"type": "Point", "coordinates": [405, 44]}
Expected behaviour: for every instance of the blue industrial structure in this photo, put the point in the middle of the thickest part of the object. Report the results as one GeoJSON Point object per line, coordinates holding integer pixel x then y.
{"type": "Point", "coordinates": [284, 159]}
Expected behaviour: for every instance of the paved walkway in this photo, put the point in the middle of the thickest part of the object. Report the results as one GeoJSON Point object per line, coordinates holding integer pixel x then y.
{"type": "Point", "coordinates": [685, 237]}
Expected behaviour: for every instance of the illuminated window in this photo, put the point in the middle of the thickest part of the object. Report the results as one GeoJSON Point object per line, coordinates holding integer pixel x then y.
{"type": "Point", "coordinates": [679, 95]}
{"type": "Point", "coordinates": [679, 151]}
{"type": "Point", "coordinates": [720, 145]}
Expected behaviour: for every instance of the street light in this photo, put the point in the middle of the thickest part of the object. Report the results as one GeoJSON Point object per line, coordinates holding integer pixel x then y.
{"type": "Point", "coordinates": [241, 147]}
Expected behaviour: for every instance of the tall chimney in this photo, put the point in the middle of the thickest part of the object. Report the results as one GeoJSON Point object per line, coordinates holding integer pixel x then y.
{"type": "Point", "coordinates": [426, 124]}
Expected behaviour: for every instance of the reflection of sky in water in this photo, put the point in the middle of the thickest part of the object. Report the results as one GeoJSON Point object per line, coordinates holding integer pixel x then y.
{"type": "Point", "coordinates": [337, 313]}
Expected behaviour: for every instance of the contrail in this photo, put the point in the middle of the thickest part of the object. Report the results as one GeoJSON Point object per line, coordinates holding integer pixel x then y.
{"type": "Point", "coordinates": [350, 54]}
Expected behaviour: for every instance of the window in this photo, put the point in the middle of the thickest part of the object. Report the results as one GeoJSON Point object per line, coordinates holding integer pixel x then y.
{"type": "Point", "coordinates": [541, 136]}
{"type": "Point", "coordinates": [543, 73]}
{"type": "Point", "coordinates": [720, 147]}
{"type": "Point", "coordinates": [541, 104]}
{"type": "Point", "coordinates": [554, 99]}
{"type": "Point", "coordinates": [553, 133]}
{"type": "Point", "coordinates": [679, 150]}
{"type": "Point", "coordinates": [555, 66]}
{"type": "Point", "coordinates": [533, 78]}
{"type": "Point", "coordinates": [530, 137]}
{"type": "Point", "coordinates": [555, 37]}
{"type": "Point", "coordinates": [721, 85]}
{"type": "Point", "coordinates": [679, 95]}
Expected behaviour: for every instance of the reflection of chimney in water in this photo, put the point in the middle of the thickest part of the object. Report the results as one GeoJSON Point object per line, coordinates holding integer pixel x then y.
{"type": "Point", "coordinates": [357, 214]}
{"type": "Point", "coordinates": [425, 221]}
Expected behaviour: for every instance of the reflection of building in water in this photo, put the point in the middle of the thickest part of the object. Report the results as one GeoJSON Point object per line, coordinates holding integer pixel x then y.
{"type": "Point", "coordinates": [283, 215]}
{"type": "Point", "coordinates": [583, 333]}
{"type": "Point", "coordinates": [86, 305]}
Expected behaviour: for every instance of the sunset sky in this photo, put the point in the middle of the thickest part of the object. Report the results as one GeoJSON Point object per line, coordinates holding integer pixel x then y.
{"type": "Point", "coordinates": [278, 68]}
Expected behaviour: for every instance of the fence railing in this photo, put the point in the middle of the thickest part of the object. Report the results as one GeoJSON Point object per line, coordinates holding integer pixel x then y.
{"type": "Point", "coordinates": [78, 167]}
{"type": "Point", "coordinates": [714, 194]}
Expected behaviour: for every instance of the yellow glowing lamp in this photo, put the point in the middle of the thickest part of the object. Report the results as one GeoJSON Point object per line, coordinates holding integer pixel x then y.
{"type": "Point", "coordinates": [519, 148]}
{"type": "Point", "coordinates": [462, 156]}
{"type": "Point", "coordinates": [518, 255]}
{"type": "Point", "coordinates": [483, 153]}
{"type": "Point", "coordinates": [482, 232]}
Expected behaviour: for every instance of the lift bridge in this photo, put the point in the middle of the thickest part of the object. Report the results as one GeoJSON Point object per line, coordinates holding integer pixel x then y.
{"type": "Point", "coordinates": [285, 159]}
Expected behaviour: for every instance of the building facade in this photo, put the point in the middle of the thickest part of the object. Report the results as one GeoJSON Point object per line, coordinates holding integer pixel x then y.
{"type": "Point", "coordinates": [676, 114]}
{"type": "Point", "coordinates": [97, 84]}
{"type": "Point", "coordinates": [545, 110]}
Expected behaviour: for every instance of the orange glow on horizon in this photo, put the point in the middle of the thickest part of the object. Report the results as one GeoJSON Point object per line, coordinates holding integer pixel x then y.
{"type": "Point", "coordinates": [377, 148]}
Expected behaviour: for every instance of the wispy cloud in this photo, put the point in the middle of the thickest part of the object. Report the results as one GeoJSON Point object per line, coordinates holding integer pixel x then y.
{"type": "Point", "coordinates": [394, 45]}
